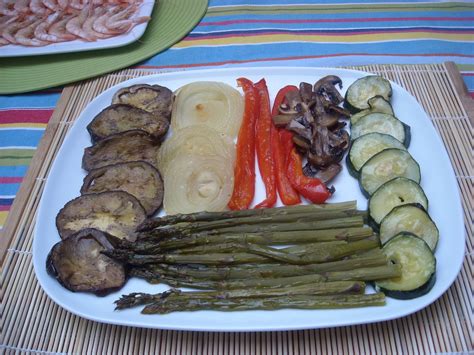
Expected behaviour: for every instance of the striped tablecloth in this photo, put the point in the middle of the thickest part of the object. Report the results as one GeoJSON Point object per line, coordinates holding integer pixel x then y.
{"type": "Point", "coordinates": [235, 33]}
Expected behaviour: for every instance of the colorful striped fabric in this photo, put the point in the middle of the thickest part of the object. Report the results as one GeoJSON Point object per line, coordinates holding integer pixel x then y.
{"type": "Point", "coordinates": [238, 33]}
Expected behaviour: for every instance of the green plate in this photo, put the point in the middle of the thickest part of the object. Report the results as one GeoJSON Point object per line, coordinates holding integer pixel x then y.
{"type": "Point", "coordinates": [171, 21]}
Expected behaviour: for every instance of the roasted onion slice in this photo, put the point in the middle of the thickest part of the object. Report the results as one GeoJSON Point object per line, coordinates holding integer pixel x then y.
{"type": "Point", "coordinates": [198, 183]}
{"type": "Point", "coordinates": [195, 140]}
{"type": "Point", "coordinates": [214, 104]}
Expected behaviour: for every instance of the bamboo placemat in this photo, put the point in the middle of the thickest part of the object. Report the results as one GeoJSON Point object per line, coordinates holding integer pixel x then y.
{"type": "Point", "coordinates": [31, 322]}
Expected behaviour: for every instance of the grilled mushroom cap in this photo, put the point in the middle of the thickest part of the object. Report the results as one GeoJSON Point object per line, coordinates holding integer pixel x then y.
{"type": "Point", "coordinates": [78, 264]}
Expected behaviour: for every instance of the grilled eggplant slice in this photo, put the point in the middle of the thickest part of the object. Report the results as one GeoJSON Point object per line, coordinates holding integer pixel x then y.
{"type": "Point", "coordinates": [123, 147]}
{"type": "Point", "coordinates": [119, 118]}
{"type": "Point", "coordinates": [78, 264]}
{"type": "Point", "coordinates": [117, 213]}
{"type": "Point", "coordinates": [138, 178]}
{"type": "Point", "coordinates": [152, 98]}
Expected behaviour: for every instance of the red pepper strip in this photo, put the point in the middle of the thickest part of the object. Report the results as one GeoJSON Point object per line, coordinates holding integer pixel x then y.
{"type": "Point", "coordinates": [312, 189]}
{"type": "Point", "coordinates": [288, 195]}
{"type": "Point", "coordinates": [244, 173]}
{"type": "Point", "coordinates": [263, 136]}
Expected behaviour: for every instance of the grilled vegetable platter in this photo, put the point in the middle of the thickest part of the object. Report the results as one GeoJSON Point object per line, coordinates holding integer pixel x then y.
{"type": "Point", "coordinates": [227, 192]}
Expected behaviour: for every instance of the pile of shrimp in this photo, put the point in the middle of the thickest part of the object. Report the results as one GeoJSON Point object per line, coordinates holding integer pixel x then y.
{"type": "Point", "coordinates": [42, 22]}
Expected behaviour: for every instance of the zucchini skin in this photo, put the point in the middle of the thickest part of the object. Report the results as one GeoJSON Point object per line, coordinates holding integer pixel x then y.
{"type": "Point", "coordinates": [383, 225]}
{"type": "Point", "coordinates": [372, 222]}
{"type": "Point", "coordinates": [409, 295]}
{"type": "Point", "coordinates": [354, 109]}
{"type": "Point", "coordinates": [385, 151]}
{"type": "Point", "coordinates": [422, 289]}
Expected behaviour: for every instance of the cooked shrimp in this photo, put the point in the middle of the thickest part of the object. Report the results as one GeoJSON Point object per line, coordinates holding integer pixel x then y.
{"type": "Point", "coordinates": [78, 4]}
{"type": "Point", "coordinates": [37, 7]}
{"type": "Point", "coordinates": [100, 26]}
{"type": "Point", "coordinates": [11, 29]}
{"type": "Point", "coordinates": [121, 19]}
{"type": "Point", "coordinates": [22, 6]}
{"type": "Point", "coordinates": [63, 4]}
{"type": "Point", "coordinates": [41, 31]}
{"type": "Point", "coordinates": [89, 23]}
{"type": "Point", "coordinates": [25, 36]}
{"type": "Point", "coordinates": [74, 25]}
{"type": "Point", "coordinates": [51, 4]}
{"type": "Point", "coordinates": [58, 30]}
{"type": "Point", "coordinates": [7, 8]}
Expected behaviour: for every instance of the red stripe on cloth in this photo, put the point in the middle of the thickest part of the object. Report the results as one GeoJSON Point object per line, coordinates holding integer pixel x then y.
{"type": "Point", "coordinates": [11, 180]}
{"type": "Point", "coordinates": [382, 19]}
{"type": "Point", "coordinates": [28, 116]}
{"type": "Point", "coordinates": [209, 64]}
{"type": "Point", "coordinates": [5, 207]}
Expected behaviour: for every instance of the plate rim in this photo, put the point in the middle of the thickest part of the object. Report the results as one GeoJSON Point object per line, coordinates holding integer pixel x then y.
{"type": "Point", "coordinates": [216, 328]}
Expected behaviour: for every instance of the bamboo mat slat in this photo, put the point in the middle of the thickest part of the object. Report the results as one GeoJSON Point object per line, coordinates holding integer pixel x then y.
{"type": "Point", "coordinates": [31, 322]}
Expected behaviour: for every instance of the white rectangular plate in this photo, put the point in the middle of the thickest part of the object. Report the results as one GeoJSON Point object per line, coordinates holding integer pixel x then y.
{"type": "Point", "coordinates": [77, 45]}
{"type": "Point", "coordinates": [438, 182]}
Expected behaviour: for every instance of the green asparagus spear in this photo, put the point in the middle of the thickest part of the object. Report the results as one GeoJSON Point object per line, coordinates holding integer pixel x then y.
{"type": "Point", "coordinates": [213, 273]}
{"type": "Point", "coordinates": [169, 305]}
{"type": "Point", "coordinates": [277, 211]}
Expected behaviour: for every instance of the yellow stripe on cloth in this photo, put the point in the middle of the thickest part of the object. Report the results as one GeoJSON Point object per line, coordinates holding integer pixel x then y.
{"type": "Point", "coordinates": [342, 38]}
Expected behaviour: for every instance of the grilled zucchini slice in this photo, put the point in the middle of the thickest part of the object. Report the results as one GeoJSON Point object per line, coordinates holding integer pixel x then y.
{"type": "Point", "coordinates": [366, 146]}
{"type": "Point", "coordinates": [396, 192]}
{"type": "Point", "coordinates": [376, 104]}
{"type": "Point", "coordinates": [385, 166]}
{"type": "Point", "coordinates": [361, 90]}
{"type": "Point", "coordinates": [382, 123]}
{"type": "Point", "coordinates": [418, 267]}
{"type": "Point", "coordinates": [409, 218]}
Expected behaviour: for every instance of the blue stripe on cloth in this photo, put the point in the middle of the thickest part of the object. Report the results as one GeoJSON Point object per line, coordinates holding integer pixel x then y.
{"type": "Point", "coordinates": [31, 100]}
{"type": "Point", "coordinates": [196, 55]}
{"type": "Point", "coordinates": [9, 189]}
{"type": "Point", "coordinates": [13, 171]}
{"type": "Point", "coordinates": [20, 137]}
{"type": "Point", "coordinates": [6, 201]}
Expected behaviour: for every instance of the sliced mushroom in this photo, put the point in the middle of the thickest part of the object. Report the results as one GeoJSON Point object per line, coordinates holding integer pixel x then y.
{"type": "Point", "coordinates": [326, 86]}
{"type": "Point", "coordinates": [325, 175]}
{"type": "Point", "coordinates": [78, 264]}
{"type": "Point", "coordinates": [299, 129]}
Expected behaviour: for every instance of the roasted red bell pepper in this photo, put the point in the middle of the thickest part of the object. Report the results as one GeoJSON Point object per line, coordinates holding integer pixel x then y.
{"type": "Point", "coordinates": [263, 145]}
{"type": "Point", "coordinates": [288, 195]}
{"type": "Point", "coordinates": [312, 189]}
{"type": "Point", "coordinates": [244, 173]}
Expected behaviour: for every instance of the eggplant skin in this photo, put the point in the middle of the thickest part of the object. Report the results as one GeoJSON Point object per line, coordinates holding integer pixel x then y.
{"type": "Point", "coordinates": [134, 145]}
{"type": "Point", "coordinates": [115, 212]}
{"type": "Point", "coordinates": [119, 118]}
{"type": "Point", "coordinates": [138, 178]}
{"type": "Point", "coordinates": [152, 98]}
{"type": "Point", "coordinates": [78, 264]}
